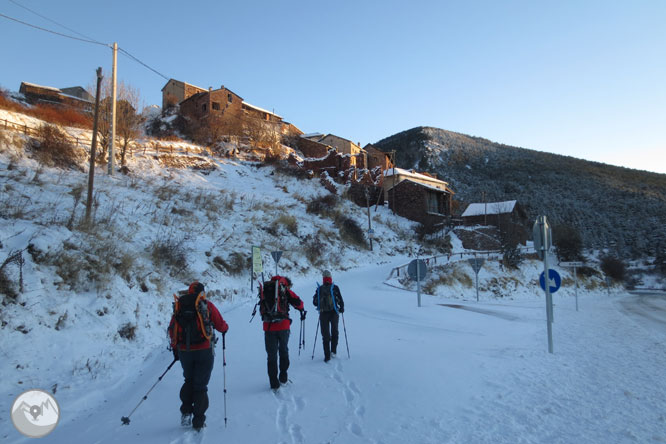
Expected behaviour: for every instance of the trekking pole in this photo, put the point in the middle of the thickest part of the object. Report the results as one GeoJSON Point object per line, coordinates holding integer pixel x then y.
{"type": "Point", "coordinates": [301, 341]}
{"type": "Point", "coordinates": [224, 376]}
{"type": "Point", "coordinates": [126, 419]}
{"type": "Point", "coordinates": [314, 344]}
{"type": "Point", "coordinates": [345, 329]}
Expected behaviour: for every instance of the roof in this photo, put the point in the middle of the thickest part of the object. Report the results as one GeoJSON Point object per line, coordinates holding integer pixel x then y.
{"type": "Point", "coordinates": [184, 83]}
{"type": "Point", "coordinates": [40, 86]}
{"type": "Point", "coordinates": [480, 209]}
{"type": "Point", "coordinates": [423, 185]}
{"type": "Point", "coordinates": [413, 175]}
{"type": "Point", "coordinates": [260, 109]}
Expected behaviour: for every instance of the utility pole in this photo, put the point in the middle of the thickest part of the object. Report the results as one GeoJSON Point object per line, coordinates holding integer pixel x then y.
{"type": "Point", "coordinates": [113, 106]}
{"type": "Point", "coordinates": [91, 171]}
{"type": "Point", "coordinates": [367, 204]}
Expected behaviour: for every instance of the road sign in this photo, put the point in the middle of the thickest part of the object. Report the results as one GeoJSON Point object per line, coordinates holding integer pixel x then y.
{"type": "Point", "coordinates": [542, 236]}
{"type": "Point", "coordinates": [417, 274]}
{"type": "Point", "coordinates": [554, 281]}
{"type": "Point", "coordinates": [476, 263]}
{"type": "Point", "coordinates": [276, 256]}
{"type": "Point", "coordinates": [257, 264]}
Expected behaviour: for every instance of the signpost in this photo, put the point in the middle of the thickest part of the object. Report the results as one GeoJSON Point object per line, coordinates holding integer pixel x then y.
{"type": "Point", "coordinates": [476, 263]}
{"type": "Point", "coordinates": [542, 243]}
{"type": "Point", "coordinates": [276, 257]}
{"type": "Point", "coordinates": [257, 265]}
{"type": "Point", "coordinates": [574, 265]}
{"type": "Point", "coordinates": [417, 270]}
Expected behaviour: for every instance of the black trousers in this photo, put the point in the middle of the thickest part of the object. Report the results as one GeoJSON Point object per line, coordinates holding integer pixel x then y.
{"type": "Point", "coordinates": [329, 332]}
{"type": "Point", "coordinates": [197, 367]}
{"type": "Point", "coordinates": [277, 344]}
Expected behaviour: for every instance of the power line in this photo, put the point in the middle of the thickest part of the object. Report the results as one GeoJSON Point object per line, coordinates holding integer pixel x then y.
{"type": "Point", "coordinates": [54, 32]}
{"type": "Point", "coordinates": [139, 61]}
{"type": "Point", "coordinates": [86, 40]}
{"type": "Point", "coordinates": [52, 21]}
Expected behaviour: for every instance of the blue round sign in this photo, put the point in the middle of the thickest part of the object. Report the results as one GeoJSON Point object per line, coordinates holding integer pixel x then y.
{"type": "Point", "coordinates": [554, 281]}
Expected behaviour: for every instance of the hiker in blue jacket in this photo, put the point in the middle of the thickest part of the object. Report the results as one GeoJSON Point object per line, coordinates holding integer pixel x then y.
{"type": "Point", "coordinates": [329, 303]}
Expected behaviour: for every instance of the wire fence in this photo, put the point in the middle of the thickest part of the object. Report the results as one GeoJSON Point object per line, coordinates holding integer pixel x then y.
{"type": "Point", "coordinates": [146, 147]}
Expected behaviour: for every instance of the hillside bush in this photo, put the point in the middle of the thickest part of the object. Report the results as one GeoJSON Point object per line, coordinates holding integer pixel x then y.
{"type": "Point", "coordinates": [322, 205]}
{"type": "Point", "coordinates": [54, 148]}
{"type": "Point", "coordinates": [613, 267]}
{"type": "Point", "coordinates": [568, 243]}
{"type": "Point", "coordinates": [350, 231]}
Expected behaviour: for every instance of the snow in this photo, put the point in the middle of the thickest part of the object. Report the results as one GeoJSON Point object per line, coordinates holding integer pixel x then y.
{"type": "Point", "coordinates": [418, 177]}
{"type": "Point", "coordinates": [451, 371]}
{"type": "Point", "coordinates": [479, 209]}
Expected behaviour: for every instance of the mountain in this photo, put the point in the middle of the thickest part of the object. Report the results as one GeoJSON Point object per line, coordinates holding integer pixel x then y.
{"type": "Point", "coordinates": [611, 207]}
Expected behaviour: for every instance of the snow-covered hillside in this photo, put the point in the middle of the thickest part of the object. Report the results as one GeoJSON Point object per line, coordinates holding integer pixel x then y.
{"type": "Point", "coordinates": [89, 324]}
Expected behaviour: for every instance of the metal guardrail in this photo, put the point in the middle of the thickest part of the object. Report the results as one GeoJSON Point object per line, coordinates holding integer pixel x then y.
{"type": "Point", "coordinates": [455, 257]}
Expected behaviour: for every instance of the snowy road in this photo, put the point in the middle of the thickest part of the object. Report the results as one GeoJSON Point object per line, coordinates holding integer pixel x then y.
{"type": "Point", "coordinates": [648, 308]}
{"type": "Point", "coordinates": [452, 371]}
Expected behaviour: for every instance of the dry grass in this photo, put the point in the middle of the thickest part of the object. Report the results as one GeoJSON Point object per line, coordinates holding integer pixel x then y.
{"type": "Point", "coordinates": [65, 116]}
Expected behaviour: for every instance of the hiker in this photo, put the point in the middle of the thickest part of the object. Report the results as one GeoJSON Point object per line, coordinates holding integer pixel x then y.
{"type": "Point", "coordinates": [275, 317]}
{"type": "Point", "coordinates": [192, 341]}
{"type": "Point", "coordinates": [329, 303]}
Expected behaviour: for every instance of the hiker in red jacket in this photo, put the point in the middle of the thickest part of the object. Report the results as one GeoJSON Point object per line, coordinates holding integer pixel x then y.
{"type": "Point", "coordinates": [193, 341]}
{"type": "Point", "coordinates": [275, 314]}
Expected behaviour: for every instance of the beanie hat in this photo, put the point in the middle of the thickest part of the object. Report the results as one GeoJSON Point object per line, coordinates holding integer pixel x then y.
{"type": "Point", "coordinates": [326, 274]}
{"type": "Point", "coordinates": [196, 287]}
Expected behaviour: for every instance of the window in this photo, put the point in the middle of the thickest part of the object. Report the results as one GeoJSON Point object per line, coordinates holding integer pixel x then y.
{"type": "Point", "coordinates": [216, 106]}
{"type": "Point", "coordinates": [229, 98]}
{"type": "Point", "coordinates": [432, 202]}
{"type": "Point", "coordinates": [203, 107]}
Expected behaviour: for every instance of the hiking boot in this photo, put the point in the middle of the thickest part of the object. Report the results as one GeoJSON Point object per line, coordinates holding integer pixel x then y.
{"type": "Point", "coordinates": [283, 378]}
{"type": "Point", "coordinates": [327, 358]}
{"type": "Point", "coordinates": [198, 429]}
{"type": "Point", "coordinates": [186, 420]}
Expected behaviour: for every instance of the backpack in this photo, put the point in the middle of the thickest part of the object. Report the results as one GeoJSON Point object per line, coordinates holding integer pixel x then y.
{"type": "Point", "coordinates": [269, 309]}
{"type": "Point", "coordinates": [192, 324]}
{"type": "Point", "coordinates": [326, 300]}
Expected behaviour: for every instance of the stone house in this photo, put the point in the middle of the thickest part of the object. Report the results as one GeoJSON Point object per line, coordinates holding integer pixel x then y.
{"type": "Point", "coordinates": [36, 94]}
{"type": "Point", "coordinates": [377, 158]}
{"type": "Point", "coordinates": [224, 107]}
{"type": "Point", "coordinates": [507, 216]}
{"type": "Point", "coordinates": [418, 197]}
{"type": "Point", "coordinates": [176, 91]}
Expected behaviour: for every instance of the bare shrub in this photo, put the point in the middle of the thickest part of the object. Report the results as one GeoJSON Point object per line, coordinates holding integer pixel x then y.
{"type": "Point", "coordinates": [613, 267]}
{"type": "Point", "coordinates": [236, 265]}
{"type": "Point", "coordinates": [7, 287]}
{"type": "Point", "coordinates": [168, 252]}
{"type": "Point", "coordinates": [54, 148]}
{"type": "Point", "coordinates": [323, 205]}
{"type": "Point", "coordinates": [289, 222]}
{"type": "Point", "coordinates": [350, 231]}
{"type": "Point", "coordinates": [314, 249]}
{"type": "Point", "coordinates": [127, 331]}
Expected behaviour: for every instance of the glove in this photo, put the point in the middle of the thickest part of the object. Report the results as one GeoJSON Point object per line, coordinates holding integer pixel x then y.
{"type": "Point", "coordinates": [175, 354]}
{"type": "Point", "coordinates": [303, 313]}
{"type": "Point", "coordinates": [342, 310]}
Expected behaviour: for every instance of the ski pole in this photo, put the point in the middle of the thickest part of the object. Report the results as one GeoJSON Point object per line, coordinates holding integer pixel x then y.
{"type": "Point", "coordinates": [314, 343]}
{"type": "Point", "coordinates": [345, 329]}
{"type": "Point", "coordinates": [224, 376]}
{"type": "Point", "coordinates": [126, 419]}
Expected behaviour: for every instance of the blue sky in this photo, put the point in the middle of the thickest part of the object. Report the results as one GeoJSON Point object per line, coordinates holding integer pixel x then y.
{"type": "Point", "coordinates": [581, 78]}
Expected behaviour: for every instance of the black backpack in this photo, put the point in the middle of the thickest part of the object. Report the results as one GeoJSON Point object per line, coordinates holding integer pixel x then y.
{"type": "Point", "coordinates": [192, 320]}
{"type": "Point", "coordinates": [325, 295]}
{"type": "Point", "coordinates": [272, 309]}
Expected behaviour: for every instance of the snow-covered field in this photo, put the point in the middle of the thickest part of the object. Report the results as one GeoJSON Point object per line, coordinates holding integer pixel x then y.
{"type": "Point", "coordinates": [451, 371]}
